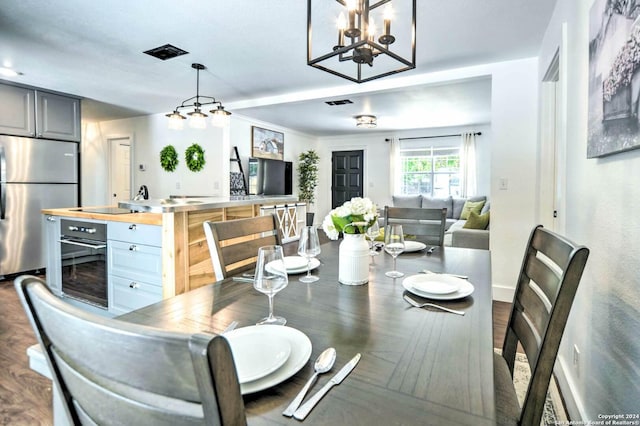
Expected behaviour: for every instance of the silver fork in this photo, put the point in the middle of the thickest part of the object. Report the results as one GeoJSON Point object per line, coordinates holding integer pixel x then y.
{"type": "Point", "coordinates": [432, 305]}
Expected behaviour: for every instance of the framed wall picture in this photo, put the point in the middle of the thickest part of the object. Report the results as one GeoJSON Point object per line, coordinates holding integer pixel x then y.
{"type": "Point", "coordinates": [614, 77]}
{"type": "Point", "coordinates": [267, 143]}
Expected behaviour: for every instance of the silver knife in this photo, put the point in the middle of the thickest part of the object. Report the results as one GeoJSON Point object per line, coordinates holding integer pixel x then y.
{"type": "Point", "coordinates": [306, 408]}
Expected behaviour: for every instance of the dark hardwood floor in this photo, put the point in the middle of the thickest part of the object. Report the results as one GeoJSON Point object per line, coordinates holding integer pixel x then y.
{"type": "Point", "coordinates": [25, 396]}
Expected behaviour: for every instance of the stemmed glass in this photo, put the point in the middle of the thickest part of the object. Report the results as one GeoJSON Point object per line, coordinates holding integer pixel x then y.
{"type": "Point", "coordinates": [270, 278]}
{"type": "Point", "coordinates": [309, 247]}
{"type": "Point", "coordinates": [394, 245]}
{"type": "Point", "coordinates": [372, 233]}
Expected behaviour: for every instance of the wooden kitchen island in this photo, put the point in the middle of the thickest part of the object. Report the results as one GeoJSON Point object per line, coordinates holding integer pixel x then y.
{"type": "Point", "coordinates": [177, 224]}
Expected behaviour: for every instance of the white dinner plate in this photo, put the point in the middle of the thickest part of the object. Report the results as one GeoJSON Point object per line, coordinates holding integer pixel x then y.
{"type": "Point", "coordinates": [411, 246]}
{"type": "Point", "coordinates": [300, 353]}
{"type": "Point", "coordinates": [436, 283]}
{"type": "Point", "coordinates": [257, 352]}
{"type": "Point", "coordinates": [295, 262]}
{"type": "Point", "coordinates": [294, 266]}
{"type": "Point", "coordinates": [464, 290]}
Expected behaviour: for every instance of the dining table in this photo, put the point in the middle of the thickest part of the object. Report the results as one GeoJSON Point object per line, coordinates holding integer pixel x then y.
{"type": "Point", "coordinates": [417, 367]}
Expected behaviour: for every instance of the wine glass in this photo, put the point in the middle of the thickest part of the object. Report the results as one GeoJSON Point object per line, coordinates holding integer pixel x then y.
{"type": "Point", "coordinates": [270, 278]}
{"type": "Point", "coordinates": [394, 245]}
{"type": "Point", "coordinates": [309, 247]}
{"type": "Point", "coordinates": [372, 233]}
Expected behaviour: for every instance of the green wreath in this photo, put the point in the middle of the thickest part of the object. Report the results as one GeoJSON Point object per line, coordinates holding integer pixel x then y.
{"type": "Point", "coordinates": [169, 158]}
{"type": "Point", "coordinates": [194, 157]}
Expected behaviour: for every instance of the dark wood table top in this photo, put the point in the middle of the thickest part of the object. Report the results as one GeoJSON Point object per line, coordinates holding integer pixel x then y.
{"type": "Point", "coordinates": [418, 366]}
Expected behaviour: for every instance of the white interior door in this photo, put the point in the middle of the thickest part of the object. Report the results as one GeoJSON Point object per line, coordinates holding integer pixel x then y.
{"type": "Point", "coordinates": [119, 169]}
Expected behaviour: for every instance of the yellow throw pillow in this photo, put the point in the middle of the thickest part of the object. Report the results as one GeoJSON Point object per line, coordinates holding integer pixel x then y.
{"type": "Point", "coordinates": [469, 206]}
{"type": "Point", "coordinates": [477, 221]}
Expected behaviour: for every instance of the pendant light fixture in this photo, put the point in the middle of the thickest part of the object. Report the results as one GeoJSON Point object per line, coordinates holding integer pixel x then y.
{"type": "Point", "coordinates": [197, 118]}
{"type": "Point", "coordinates": [362, 53]}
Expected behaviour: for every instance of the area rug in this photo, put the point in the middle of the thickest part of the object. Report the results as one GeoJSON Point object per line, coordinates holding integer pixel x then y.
{"type": "Point", "coordinates": [554, 412]}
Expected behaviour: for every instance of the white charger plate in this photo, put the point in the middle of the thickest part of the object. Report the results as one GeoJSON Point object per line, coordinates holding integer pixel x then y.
{"type": "Point", "coordinates": [257, 353]}
{"type": "Point", "coordinates": [465, 287]}
{"type": "Point", "coordinates": [300, 353]}
{"type": "Point", "coordinates": [297, 264]}
{"type": "Point", "coordinates": [411, 246]}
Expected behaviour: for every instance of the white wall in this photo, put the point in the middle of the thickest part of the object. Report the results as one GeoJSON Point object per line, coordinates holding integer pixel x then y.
{"type": "Point", "coordinates": [377, 184]}
{"type": "Point", "coordinates": [294, 142]}
{"type": "Point", "coordinates": [602, 197]}
{"type": "Point", "coordinates": [514, 120]}
{"type": "Point", "coordinates": [149, 134]}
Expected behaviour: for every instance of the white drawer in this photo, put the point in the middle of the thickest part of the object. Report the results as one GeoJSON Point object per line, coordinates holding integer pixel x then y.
{"type": "Point", "coordinates": [135, 261]}
{"type": "Point", "coordinates": [135, 233]}
{"type": "Point", "coordinates": [127, 295]}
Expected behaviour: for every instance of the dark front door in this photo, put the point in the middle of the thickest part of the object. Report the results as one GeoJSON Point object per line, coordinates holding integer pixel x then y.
{"type": "Point", "coordinates": [347, 172]}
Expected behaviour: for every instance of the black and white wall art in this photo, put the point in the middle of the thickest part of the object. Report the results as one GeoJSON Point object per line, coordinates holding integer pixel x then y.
{"type": "Point", "coordinates": [614, 77]}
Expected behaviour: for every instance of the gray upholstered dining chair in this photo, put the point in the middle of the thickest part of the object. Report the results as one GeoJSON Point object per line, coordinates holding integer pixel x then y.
{"type": "Point", "coordinates": [233, 244]}
{"type": "Point", "coordinates": [548, 281]}
{"type": "Point", "coordinates": [426, 224]}
{"type": "Point", "coordinates": [113, 372]}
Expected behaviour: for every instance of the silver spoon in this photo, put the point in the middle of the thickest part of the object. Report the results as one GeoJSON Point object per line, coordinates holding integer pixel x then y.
{"type": "Point", "coordinates": [323, 364]}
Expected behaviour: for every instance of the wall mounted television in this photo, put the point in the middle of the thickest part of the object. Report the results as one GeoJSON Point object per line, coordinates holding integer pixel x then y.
{"type": "Point", "coordinates": [270, 177]}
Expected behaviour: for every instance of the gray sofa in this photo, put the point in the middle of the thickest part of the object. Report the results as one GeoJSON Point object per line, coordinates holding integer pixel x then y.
{"type": "Point", "coordinates": [455, 234]}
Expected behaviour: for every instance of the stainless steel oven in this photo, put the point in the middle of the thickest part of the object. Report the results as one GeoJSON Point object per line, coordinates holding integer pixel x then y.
{"type": "Point", "coordinates": [83, 248]}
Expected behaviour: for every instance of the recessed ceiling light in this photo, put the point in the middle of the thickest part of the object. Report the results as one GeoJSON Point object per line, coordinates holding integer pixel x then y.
{"type": "Point", "coordinates": [8, 72]}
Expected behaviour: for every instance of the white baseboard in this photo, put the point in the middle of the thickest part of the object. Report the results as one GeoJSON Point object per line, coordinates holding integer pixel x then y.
{"type": "Point", "coordinates": [572, 402]}
{"type": "Point", "coordinates": [503, 293]}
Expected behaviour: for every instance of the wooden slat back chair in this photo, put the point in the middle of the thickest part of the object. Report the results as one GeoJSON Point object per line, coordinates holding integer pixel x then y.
{"type": "Point", "coordinates": [548, 281]}
{"type": "Point", "coordinates": [426, 224]}
{"type": "Point", "coordinates": [234, 244]}
{"type": "Point", "coordinates": [114, 372]}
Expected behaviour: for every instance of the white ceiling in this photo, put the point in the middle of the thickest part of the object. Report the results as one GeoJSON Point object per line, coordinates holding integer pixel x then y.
{"type": "Point", "coordinates": [255, 53]}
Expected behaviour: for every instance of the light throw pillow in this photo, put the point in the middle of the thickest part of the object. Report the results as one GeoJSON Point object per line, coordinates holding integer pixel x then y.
{"type": "Point", "coordinates": [470, 206]}
{"type": "Point", "coordinates": [477, 221]}
{"type": "Point", "coordinates": [438, 203]}
{"type": "Point", "coordinates": [411, 201]}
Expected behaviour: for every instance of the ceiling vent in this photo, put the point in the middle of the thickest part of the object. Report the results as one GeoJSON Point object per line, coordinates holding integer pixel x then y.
{"type": "Point", "coordinates": [165, 52]}
{"type": "Point", "coordinates": [340, 102]}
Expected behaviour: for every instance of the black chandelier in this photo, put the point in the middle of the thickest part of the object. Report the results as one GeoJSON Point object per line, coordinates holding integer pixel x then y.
{"type": "Point", "coordinates": [198, 117]}
{"type": "Point", "coordinates": [361, 54]}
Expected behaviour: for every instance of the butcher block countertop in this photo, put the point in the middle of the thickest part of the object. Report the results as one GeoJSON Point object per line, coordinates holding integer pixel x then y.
{"type": "Point", "coordinates": [136, 217]}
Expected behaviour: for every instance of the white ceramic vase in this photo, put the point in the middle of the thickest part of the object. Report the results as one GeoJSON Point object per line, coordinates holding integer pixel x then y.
{"type": "Point", "coordinates": [353, 262]}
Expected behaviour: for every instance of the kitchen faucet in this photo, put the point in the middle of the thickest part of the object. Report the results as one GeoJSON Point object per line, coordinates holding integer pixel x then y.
{"type": "Point", "coordinates": [143, 194]}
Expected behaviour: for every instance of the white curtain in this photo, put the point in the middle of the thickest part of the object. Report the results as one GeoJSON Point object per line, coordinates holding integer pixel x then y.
{"type": "Point", "coordinates": [468, 165]}
{"type": "Point", "coordinates": [394, 166]}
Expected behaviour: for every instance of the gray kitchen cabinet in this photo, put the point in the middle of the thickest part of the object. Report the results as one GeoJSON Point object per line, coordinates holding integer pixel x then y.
{"type": "Point", "coordinates": [31, 112]}
{"type": "Point", "coordinates": [17, 111]}
{"type": "Point", "coordinates": [57, 117]}
{"type": "Point", "coordinates": [51, 227]}
{"type": "Point", "coordinates": [135, 266]}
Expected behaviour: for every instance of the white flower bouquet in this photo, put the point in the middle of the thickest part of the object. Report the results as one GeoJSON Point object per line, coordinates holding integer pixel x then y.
{"type": "Point", "coordinates": [353, 217]}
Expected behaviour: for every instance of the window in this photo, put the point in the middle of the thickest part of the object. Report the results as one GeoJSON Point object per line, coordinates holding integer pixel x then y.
{"type": "Point", "coordinates": [430, 170]}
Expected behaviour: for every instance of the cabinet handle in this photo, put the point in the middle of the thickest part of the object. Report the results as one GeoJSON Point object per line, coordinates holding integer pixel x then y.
{"type": "Point", "coordinates": [133, 247]}
{"type": "Point", "coordinates": [134, 285]}
{"type": "Point", "coordinates": [51, 218]}
{"type": "Point", "coordinates": [131, 227]}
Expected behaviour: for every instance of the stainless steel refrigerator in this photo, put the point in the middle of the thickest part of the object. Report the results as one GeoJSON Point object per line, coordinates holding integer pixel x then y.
{"type": "Point", "coordinates": [35, 174]}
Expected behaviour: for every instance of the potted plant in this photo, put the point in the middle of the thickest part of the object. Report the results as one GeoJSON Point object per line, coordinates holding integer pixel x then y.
{"type": "Point", "coordinates": [308, 180]}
